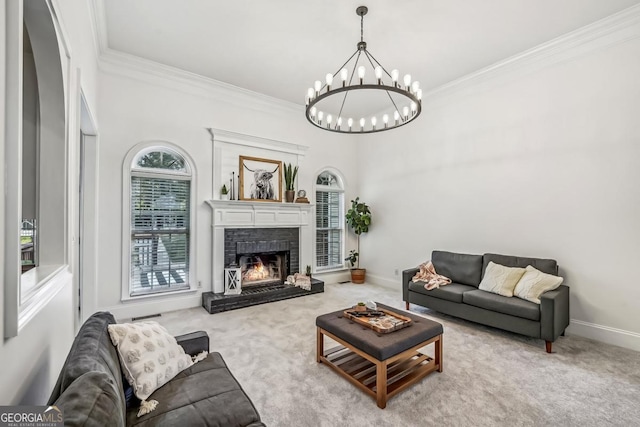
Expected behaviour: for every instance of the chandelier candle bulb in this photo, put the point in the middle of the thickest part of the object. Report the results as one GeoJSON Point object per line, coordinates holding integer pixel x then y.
{"type": "Point", "coordinates": [321, 115]}
{"type": "Point", "coordinates": [385, 119]}
{"type": "Point", "coordinates": [329, 80]}
{"type": "Point", "coordinates": [405, 113]}
{"type": "Point", "coordinates": [414, 107]}
{"type": "Point", "coordinates": [407, 81]}
{"type": "Point", "coordinates": [329, 120]}
{"type": "Point", "coordinates": [362, 122]}
{"type": "Point", "coordinates": [361, 71]}
{"type": "Point", "coordinates": [350, 123]}
{"type": "Point", "coordinates": [313, 112]}
{"type": "Point", "coordinates": [419, 94]}
{"type": "Point", "coordinates": [378, 72]}
{"type": "Point", "coordinates": [415, 86]}
{"type": "Point", "coordinates": [373, 122]}
{"type": "Point", "coordinates": [318, 86]}
{"type": "Point", "coordinates": [394, 77]}
{"type": "Point", "coordinates": [344, 74]}
{"type": "Point", "coordinates": [396, 116]}
{"type": "Point", "coordinates": [339, 122]}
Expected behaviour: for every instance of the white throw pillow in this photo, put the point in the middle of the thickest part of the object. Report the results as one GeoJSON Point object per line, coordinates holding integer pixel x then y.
{"type": "Point", "coordinates": [500, 279]}
{"type": "Point", "coordinates": [534, 283]}
{"type": "Point", "coordinates": [150, 356]}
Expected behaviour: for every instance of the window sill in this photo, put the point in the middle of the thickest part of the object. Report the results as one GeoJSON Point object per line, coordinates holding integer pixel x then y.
{"type": "Point", "coordinates": [331, 270]}
{"type": "Point", "coordinates": [129, 298]}
{"type": "Point", "coordinates": [39, 286]}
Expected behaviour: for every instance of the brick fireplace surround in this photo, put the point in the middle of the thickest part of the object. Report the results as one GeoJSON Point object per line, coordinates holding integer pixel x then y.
{"type": "Point", "coordinates": [264, 222]}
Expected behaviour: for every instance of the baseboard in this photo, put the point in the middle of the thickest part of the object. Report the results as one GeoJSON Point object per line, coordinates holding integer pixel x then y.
{"type": "Point", "coordinates": [333, 277]}
{"type": "Point", "coordinates": [147, 308]}
{"type": "Point", "coordinates": [383, 281]}
{"type": "Point", "coordinates": [606, 334]}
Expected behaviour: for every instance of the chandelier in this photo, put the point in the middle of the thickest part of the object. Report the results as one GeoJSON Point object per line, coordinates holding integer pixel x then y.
{"type": "Point", "coordinates": [402, 106]}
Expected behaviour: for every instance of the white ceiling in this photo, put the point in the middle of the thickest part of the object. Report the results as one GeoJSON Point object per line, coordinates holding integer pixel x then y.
{"type": "Point", "coordinates": [280, 47]}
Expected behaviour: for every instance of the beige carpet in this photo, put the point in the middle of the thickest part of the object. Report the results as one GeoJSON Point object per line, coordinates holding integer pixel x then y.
{"type": "Point", "coordinates": [490, 377]}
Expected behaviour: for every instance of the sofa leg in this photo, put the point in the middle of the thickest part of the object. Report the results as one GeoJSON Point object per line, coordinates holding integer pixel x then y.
{"type": "Point", "coordinates": [406, 305]}
{"type": "Point", "coordinates": [548, 345]}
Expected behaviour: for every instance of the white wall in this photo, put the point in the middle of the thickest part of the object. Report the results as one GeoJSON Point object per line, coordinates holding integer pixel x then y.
{"type": "Point", "coordinates": [141, 105]}
{"type": "Point", "coordinates": [540, 161]}
{"type": "Point", "coordinates": [32, 360]}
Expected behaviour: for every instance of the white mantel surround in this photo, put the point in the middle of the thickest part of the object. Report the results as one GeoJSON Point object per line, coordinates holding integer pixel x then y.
{"type": "Point", "coordinates": [243, 214]}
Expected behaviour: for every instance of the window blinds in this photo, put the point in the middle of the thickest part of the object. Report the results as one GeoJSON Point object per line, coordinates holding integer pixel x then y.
{"type": "Point", "coordinates": [160, 212]}
{"type": "Point", "coordinates": [328, 230]}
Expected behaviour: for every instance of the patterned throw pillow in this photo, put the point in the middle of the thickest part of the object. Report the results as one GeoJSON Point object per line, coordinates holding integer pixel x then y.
{"type": "Point", "coordinates": [534, 283]}
{"type": "Point", "coordinates": [150, 356]}
{"type": "Point", "coordinates": [500, 279]}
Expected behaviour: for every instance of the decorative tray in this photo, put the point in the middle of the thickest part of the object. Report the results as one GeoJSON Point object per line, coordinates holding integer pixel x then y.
{"type": "Point", "coordinates": [380, 320]}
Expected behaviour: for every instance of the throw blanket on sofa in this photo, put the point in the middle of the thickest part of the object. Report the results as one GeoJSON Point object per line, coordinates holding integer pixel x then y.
{"type": "Point", "coordinates": [428, 275]}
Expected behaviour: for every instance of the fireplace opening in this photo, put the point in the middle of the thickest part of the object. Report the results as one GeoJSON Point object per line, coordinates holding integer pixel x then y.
{"type": "Point", "coordinates": [263, 268]}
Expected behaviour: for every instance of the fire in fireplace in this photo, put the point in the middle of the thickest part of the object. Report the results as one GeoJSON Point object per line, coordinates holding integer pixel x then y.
{"type": "Point", "coordinates": [263, 268]}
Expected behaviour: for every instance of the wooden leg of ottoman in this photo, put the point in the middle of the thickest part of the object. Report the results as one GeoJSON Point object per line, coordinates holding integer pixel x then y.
{"type": "Point", "coordinates": [438, 352]}
{"type": "Point", "coordinates": [319, 345]}
{"type": "Point", "coordinates": [381, 384]}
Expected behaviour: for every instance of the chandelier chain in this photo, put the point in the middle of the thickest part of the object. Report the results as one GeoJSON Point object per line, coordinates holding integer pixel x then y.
{"type": "Point", "coordinates": [361, 28]}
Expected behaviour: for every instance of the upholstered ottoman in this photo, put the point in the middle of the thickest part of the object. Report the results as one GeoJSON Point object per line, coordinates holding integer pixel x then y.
{"type": "Point", "coordinates": [381, 365]}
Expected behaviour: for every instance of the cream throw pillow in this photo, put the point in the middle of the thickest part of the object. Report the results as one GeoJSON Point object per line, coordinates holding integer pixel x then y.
{"type": "Point", "coordinates": [150, 356]}
{"type": "Point", "coordinates": [534, 283]}
{"type": "Point", "coordinates": [500, 279]}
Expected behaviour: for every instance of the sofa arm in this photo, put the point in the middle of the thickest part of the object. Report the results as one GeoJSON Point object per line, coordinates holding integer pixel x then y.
{"type": "Point", "coordinates": [194, 343]}
{"type": "Point", "coordinates": [554, 313]}
{"type": "Point", "coordinates": [407, 275]}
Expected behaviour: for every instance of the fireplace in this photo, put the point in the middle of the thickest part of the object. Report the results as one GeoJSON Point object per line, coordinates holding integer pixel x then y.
{"type": "Point", "coordinates": [265, 255]}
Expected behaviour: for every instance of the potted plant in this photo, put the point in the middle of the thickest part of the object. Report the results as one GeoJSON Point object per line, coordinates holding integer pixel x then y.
{"type": "Point", "coordinates": [290, 173]}
{"type": "Point", "coordinates": [224, 192]}
{"type": "Point", "coordinates": [308, 271]}
{"type": "Point", "coordinates": [358, 219]}
{"type": "Point", "coordinates": [361, 307]}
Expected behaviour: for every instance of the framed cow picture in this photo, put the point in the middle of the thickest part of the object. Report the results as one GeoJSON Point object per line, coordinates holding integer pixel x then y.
{"type": "Point", "coordinates": [260, 179]}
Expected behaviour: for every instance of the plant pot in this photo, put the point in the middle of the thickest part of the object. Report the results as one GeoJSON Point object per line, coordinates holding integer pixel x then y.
{"type": "Point", "coordinates": [289, 196]}
{"type": "Point", "coordinates": [360, 307]}
{"type": "Point", "coordinates": [224, 196]}
{"type": "Point", "coordinates": [358, 275]}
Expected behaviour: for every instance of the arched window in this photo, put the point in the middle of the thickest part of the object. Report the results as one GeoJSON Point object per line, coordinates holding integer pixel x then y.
{"type": "Point", "coordinates": [160, 216]}
{"type": "Point", "coordinates": [329, 220]}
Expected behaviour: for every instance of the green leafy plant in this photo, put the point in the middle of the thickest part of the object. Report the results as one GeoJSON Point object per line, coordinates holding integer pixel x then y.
{"type": "Point", "coordinates": [361, 304]}
{"type": "Point", "coordinates": [308, 270]}
{"type": "Point", "coordinates": [358, 219]}
{"type": "Point", "coordinates": [290, 174]}
{"type": "Point", "coordinates": [224, 189]}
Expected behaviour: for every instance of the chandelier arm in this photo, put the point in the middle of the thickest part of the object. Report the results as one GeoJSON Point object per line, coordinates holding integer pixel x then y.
{"type": "Point", "coordinates": [345, 63]}
{"type": "Point", "coordinates": [388, 94]}
{"type": "Point", "coordinates": [353, 73]}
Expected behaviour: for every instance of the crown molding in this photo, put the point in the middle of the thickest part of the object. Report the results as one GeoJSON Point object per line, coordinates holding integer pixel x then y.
{"type": "Point", "coordinates": [617, 28]}
{"type": "Point", "coordinates": [98, 23]}
{"type": "Point", "coordinates": [229, 137]}
{"type": "Point", "coordinates": [614, 29]}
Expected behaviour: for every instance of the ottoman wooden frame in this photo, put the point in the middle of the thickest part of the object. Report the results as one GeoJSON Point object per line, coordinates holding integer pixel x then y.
{"type": "Point", "coordinates": [381, 379]}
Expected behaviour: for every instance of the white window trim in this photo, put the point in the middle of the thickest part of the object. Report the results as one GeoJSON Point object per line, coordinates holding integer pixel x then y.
{"type": "Point", "coordinates": [128, 170]}
{"type": "Point", "coordinates": [317, 187]}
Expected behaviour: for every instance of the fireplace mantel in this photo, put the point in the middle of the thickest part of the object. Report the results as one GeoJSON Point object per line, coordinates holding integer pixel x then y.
{"type": "Point", "coordinates": [244, 214]}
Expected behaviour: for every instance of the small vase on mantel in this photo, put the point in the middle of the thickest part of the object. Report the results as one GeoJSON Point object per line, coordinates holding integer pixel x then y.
{"type": "Point", "coordinates": [289, 196]}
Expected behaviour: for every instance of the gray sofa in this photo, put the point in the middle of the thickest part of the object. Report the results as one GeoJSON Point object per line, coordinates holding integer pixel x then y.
{"type": "Point", "coordinates": [91, 390]}
{"type": "Point", "coordinates": [463, 299]}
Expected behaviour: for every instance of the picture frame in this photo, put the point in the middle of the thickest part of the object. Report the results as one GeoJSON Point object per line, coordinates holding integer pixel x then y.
{"type": "Point", "coordinates": [260, 180]}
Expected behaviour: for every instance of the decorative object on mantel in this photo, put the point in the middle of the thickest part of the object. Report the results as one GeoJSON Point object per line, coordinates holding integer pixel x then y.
{"type": "Point", "coordinates": [233, 185]}
{"type": "Point", "coordinates": [290, 173]}
{"type": "Point", "coordinates": [224, 192]}
{"type": "Point", "coordinates": [308, 271]}
{"type": "Point", "coordinates": [404, 100]}
{"type": "Point", "coordinates": [359, 219]}
{"type": "Point", "coordinates": [302, 197]}
{"type": "Point", "coordinates": [260, 179]}
{"type": "Point", "coordinates": [232, 280]}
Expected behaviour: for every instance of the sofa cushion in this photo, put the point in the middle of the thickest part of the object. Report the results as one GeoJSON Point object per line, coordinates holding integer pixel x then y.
{"type": "Point", "coordinates": [205, 394]}
{"type": "Point", "coordinates": [501, 280]}
{"type": "Point", "coordinates": [149, 355]}
{"type": "Point", "coordinates": [460, 268]}
{"type": "Point", "coordinates": [505, 305]}
{"type": "Point", "coordinates": [549, 266]}
{"type": "Point", "coordinates": [91, 400]}
{"type": "Point", "coordinates": [92, 351]}
{"type": "Point", "coordinates": [451, 292]}
{"type": "Point", "coordinates": [534, 283]}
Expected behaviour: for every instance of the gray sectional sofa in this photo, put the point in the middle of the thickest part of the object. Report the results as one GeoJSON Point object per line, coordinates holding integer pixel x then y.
{"type": "Point", "coordinates": [91, 390]}
{"type": "Point", "coordinates": [462, 298]}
